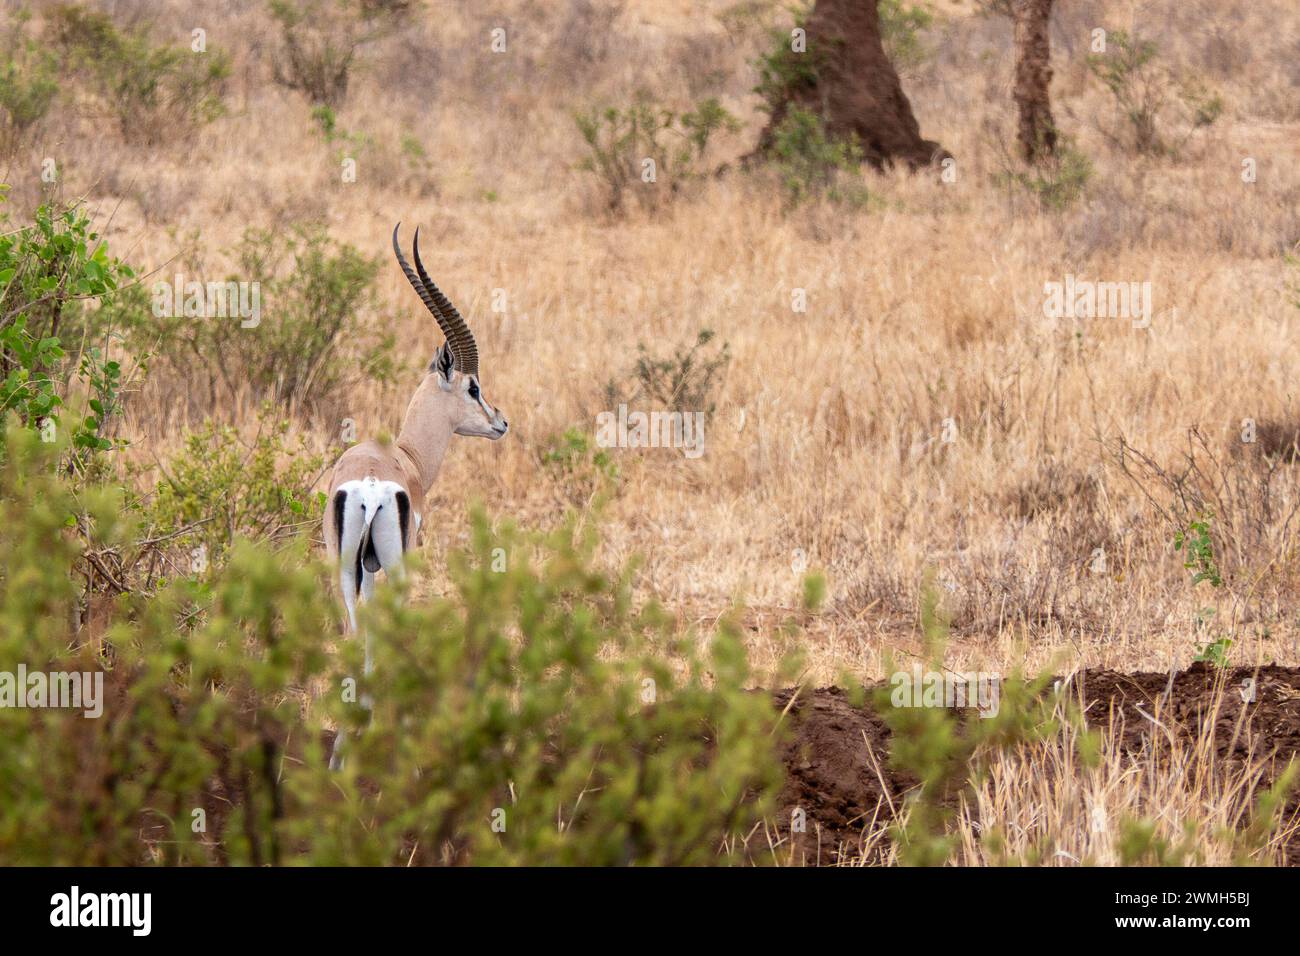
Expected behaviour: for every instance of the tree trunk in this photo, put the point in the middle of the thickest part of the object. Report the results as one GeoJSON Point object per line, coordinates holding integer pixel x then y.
{"type": "Point", "coordinates": [1037, 130]}
{"type": "Point", "coordinates": [849, 82]}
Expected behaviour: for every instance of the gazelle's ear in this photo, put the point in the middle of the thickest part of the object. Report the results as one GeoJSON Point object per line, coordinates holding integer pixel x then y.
{"type": "Point", "coordinates": [442, 362]}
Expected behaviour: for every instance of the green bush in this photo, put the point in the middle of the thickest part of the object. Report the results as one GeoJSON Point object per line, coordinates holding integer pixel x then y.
{"type": "Point", "coordinates": [1057, 181]}
{"type": "Point", "coordinates": [157, 93]}
{"type": "Point", "coordinates": [682, 382]}
{"type": "Point", "coordinates": [308, 345]}
{"type": "Point", "coordinates": [319, 41]}
{"type": "Point", "coordinates": [783, 72]}
{"type": "Point", "coordinates": [1153, 104]}
{"type": "Point", "coordinates": [28, 84]}
{"type": "Point", "coordinates": [221, 488]}
{"type": "Point", "coordinates": [633, 147]}
{"type": "Point", "coordinates": [585, 473]}
{"type": "Point", "coordinates": [187, 710]}
{"type": "Point", "coordinates": [533, 717]}
{"type": "Point", "coordinates": [901, 25]}
{"type": "Point", "coordinates": [48, 269]}
{"type": "Point", "coordinates": [811, 163]}
{"type": "Point", "coordinates": [326, 121]}
{"type": "Point", "coordinates": [299, 354]}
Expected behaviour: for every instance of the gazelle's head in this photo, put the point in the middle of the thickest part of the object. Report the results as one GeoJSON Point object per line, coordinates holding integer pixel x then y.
{"type": "Point", "coordinates": [451, 385]}
{"type": "Point", "coordinates": [467, 406]}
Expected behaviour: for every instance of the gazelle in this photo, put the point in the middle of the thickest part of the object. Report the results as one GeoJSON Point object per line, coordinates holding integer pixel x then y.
{"type": "Point", "coordinates": [375, 505]}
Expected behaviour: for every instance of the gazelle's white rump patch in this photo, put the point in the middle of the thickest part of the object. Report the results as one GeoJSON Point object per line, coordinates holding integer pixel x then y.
{"type": "Point", "coordinates": [372, 520]}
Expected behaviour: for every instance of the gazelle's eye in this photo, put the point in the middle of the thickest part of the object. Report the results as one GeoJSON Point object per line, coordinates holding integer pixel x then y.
{"type": "Point", "coordinates": [473, 390]}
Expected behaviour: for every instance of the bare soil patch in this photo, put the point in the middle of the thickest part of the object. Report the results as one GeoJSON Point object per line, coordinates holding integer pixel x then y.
{"type": "Point", "coordinates": [837, 757]}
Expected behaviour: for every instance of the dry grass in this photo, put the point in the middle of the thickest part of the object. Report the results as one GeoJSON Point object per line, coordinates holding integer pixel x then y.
{"type": "Point", "coordinates": [1045, 806]}
{"type": "Point", "coordinates": [827, 436]}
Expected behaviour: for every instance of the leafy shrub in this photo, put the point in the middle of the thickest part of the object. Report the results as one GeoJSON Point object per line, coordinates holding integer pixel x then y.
{"type": "Point", "coordinates": [1214, 652]}
{"type": "Point", "coordinates": [1197, 545]}
{"type": "Point", "coordinates": [46, 270]}
{"type": "Point", "coordinates": [901, 25]}
{"type": "Point", "coordinates": [28, 85]}
{"type": "Point", "coordinates": [682, 382]}
{"type": "Point", "coordinates": [186, 709]}
{"type": "Point", "coordinates": [810, 162]}
{"type": "Point", "coordinates": [585, 472]}
{"type": "Point", "coordinates": [327, 122]}
{"type": "Point", "coordinates": [404, 162]}
{"type": "Point", "coordinates": [309, 344]}
{"type": "Point", "coordinates": [155, 92]}
{"type": "Point", "coordinates": [1057, 181]}
{"type": "Point", "coordinates": [557, 716]}
{"type": "Point", "coordinates": [222, 488]}
{"type": "Point", "coordinates": [531, 718]}
{"type": "Point", "coordinates": [320, 40]}
{"type": "Point", "coordinates": [1149, 98]}
{"type": "Point", "coordinates": [784, 72]}
{"type": "Point", "coordinates": [1228, 515]}
{"type": "Point", "coordinates": [634, 146]}
{"type": "Point", "coordinates": [314, 308]}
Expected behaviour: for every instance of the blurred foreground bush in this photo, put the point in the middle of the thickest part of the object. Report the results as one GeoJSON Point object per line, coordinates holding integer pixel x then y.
{"type": "Point", "coordinates": [529, 718]}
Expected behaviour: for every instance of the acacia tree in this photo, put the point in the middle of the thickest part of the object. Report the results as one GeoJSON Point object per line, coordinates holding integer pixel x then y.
{"type": "Point", "coordinates": [1036, 132]}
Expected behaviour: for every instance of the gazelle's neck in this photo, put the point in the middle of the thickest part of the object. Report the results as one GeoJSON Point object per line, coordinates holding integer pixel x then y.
{"type": "Point", "coordinates": [426, 432]}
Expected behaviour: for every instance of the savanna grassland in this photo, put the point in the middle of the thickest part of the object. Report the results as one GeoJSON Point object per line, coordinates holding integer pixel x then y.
{"type": "Point", "coordinates": [887, 402]}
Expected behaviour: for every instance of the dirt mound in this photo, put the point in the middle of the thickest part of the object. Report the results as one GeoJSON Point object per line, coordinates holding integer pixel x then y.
{"type": "Point", "coordinates": [854, 88]}
{"type": "Point", "coordinates": [837, 757]}
{"type": "Point", "coordinates": [837, 771]}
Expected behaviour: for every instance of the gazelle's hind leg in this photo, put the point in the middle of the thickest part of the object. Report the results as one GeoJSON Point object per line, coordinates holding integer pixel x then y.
{"type": "Point", "coordinates": [386, 545]}
{"type": "Point", "coordinates": [336, 752]}
{"type": "Point", "coordinates": [348, 588]}
{"type": "Point", "coordinates": [350, 529]}
{"type": "Point", "coordinates": [368, 592]}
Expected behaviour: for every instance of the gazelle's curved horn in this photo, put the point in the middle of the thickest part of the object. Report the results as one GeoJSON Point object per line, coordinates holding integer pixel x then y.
{"type": "Point", "coordinates": [429, 302]}
{"type": "Point", "coordinates": [464, 350]}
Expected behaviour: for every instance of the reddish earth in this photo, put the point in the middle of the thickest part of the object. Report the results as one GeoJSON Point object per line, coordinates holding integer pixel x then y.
{"type": "Point", "coordinates": [838, 755]}
{"type": "Point", "coordinates": [847, 79]}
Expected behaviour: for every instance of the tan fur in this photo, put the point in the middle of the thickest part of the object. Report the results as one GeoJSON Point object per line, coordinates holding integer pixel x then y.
{"type": "Point", "coordinates": [435, 413]}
